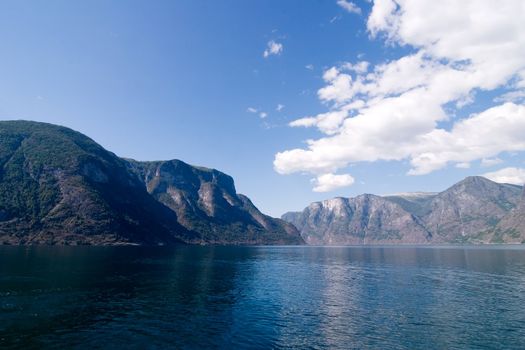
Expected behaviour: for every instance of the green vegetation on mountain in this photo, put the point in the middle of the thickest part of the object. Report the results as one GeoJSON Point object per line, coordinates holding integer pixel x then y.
{"type": "Point", "coordinates": [58, 186]}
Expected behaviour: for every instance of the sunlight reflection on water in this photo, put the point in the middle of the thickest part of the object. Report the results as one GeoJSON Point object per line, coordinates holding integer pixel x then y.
{"type": "Point", "coordinates": [263, 297]}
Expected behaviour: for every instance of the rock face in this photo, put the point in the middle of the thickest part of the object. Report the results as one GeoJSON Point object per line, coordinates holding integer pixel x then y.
{"type": "Point", "coordinates": [470, 210]}
{"type": "Point", "coordinates": [206, 202]}
{"type": "Point", "coordinates": [475, 210]}
{"type": "Point", "coordinates": [364, 219]}
{"type": "Point", "coordinates": [57, 186]}
{"type": "Point", "coordinates": [512, 227]}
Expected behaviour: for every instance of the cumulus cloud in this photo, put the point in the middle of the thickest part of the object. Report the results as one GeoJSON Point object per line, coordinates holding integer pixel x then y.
{"type": "Point", "coordinates": [330, 182]}
{"type": "Point", "coordinates": [402, 109]}
{"type": "Point", "coordinates": [349, 6]}
{"type": "Point", "coordinates": [486, 134]}
{"type": "Point", "coordinates": [328, 123]}
{"type": "Point", "coordinates": [251, 110]}
{"type": "Point", "coordinates": [279, 107]}
{"type": "Point", "coordinates": [263, 115]}
{"type": "Point", "coordinates": [359, 67]}
{"type": "Point", "coordinates": [273, 48]}
{"type": "Point", "coordinates": [514, 176]}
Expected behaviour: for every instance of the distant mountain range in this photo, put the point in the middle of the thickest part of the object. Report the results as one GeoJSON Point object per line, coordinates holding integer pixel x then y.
{"type": "Point", "coordinates": [475, 210]}
{"type": "Point", "coordinates": [58, 186]}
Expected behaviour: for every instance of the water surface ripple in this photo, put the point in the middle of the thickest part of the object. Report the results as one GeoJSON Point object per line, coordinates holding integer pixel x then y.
{"type": "Point", "coordinates": [263, 297]}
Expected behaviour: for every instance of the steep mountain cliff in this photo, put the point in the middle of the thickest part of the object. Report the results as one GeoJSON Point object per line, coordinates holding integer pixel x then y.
{"type": "Point", "coordinates": [206, 202]}
{"type": "Point", "coordinates": [475, 210]}
{"type": "Point", "coordinates": [512, 227]}
{"type": "Point", "coordinates": [57, 186]}
{"type": "Point", "coordinates": [470, 210]}
{"type": "Point", "coordinates": [361, 220]}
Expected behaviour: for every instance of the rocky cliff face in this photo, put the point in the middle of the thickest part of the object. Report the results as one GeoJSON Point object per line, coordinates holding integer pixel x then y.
{"type": "Point", "coordinates": [206, 202]}
{"type": "Point", "coordinates": [512, 227]}
{"type": "Point", "coordinates": [365, 219]}
{"type": "Point", "coordinates": [470, 210]}
{"type": "Point", "coordinates": [57, 186]}
{"type": "Point", "coordinates": [475, 210]}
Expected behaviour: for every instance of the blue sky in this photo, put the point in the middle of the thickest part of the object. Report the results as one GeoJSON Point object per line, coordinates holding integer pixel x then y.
{"type": "Point", "coordinates": [183, 79]}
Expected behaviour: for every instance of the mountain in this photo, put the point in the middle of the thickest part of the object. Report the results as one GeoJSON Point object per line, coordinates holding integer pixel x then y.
{"type": "Point", "coordinates": [470, 210]}
{"type": "Point", "coordinates": [475, 210]}
{"type": "Point", "coordinates": [364, 219]}
{"type": "Point", "coordinates": [511, 227]}
{"type": "Point", "coordinates": [413, 202]}
{"type": "Point", "coordinates": [58, 186]}
{"type": "Point", "coordinates": [206, 202]}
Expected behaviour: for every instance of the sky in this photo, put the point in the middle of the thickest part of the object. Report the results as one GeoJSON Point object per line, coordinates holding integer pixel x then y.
{"type": "Point", "coordinates": [298, 100]}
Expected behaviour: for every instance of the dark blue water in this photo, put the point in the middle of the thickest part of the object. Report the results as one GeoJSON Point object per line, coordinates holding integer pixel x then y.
{"type": "Point", "coordinates": [262, 297]}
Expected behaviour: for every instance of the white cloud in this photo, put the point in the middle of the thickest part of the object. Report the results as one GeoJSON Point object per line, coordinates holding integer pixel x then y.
{"type": "Point", "coordinates": [486, 134]}
{"type": "Point", "coordinates": [514, 176]}
{"type": "Point", "coordinates": [488, 162]}
{"type": "Point", "coordinates": [511, 96]}
{"type": "Point", "coordinates": [395, 110]}
{"type": "Point", "coordinates": [331, 182]}
{"type": "Point", "coordinates": [359, 67]}
{"type": "Point", "coordinates": [273, 48]}
{"type": "Point", "coordinates": [465, 165]}
{"type": "Point", "coordinates": [330, 74]}
{"type": "Point", "coordinates": [328, 123]}
{"type": "Point", "coordinates": [349, 6]}
{"type": "Point", "coordinates": [261, 114]}
{"type": "Point", "coordinates": [279, 107]}
{"type": "Point", "coordinates": [309, 66]}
